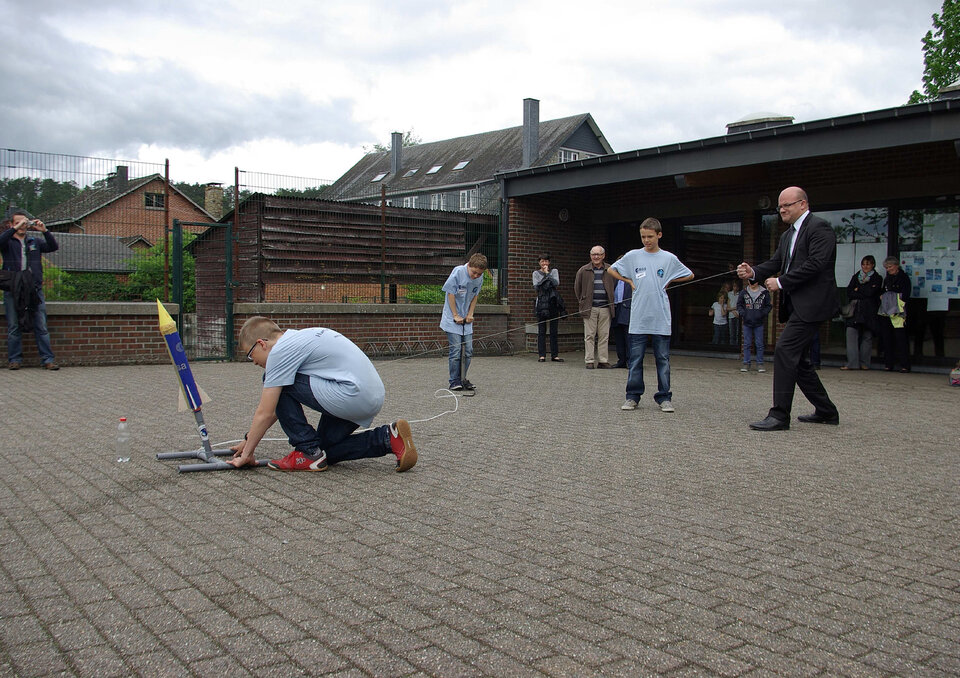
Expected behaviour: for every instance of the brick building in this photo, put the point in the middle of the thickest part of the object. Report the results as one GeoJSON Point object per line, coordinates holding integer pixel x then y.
{"type": "Point", "coordinates": [126, 207]}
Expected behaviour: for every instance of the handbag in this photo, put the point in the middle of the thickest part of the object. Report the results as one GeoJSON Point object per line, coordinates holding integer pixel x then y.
{"type": "Point", "coordinates": [849, 309]}
{"type": "Point", "coordinates": [890, 304]}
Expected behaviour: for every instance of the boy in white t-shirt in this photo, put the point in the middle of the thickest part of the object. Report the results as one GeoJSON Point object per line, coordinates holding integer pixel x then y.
{"type": "Point", "coordinates": [462, 289]}
{"type": "Point", "coordinates": [648, 271]}
{"type": "Point", "coordinates": [322, 369]}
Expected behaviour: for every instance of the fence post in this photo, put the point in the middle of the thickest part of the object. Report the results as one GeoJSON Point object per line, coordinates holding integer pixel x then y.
{"type": "Point", "coordinates": [177, 247]}
{"type": "Point", "coordinates": [383, 241]}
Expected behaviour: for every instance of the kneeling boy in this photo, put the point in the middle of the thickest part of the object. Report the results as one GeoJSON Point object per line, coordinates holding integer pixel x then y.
{"type": "Point", "coordinates": [322, 369]}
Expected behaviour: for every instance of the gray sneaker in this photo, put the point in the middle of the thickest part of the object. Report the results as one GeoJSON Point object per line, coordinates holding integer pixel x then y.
{"type": "Point", "coordinates": [666, 406]}
{"type": "Point", "coordinates": [629, 405]}
{"type": "Point", "coordinates": [761, 369]}
{"type": "Point", "coordinates": [745, 368]}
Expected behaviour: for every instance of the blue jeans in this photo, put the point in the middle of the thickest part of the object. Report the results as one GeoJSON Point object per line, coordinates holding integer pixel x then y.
{"type": "Point", "coordinates": [752, 336]}
{"type": "Point", "coordinates": [733, 326]}
{"type": "Point", "coordinates": [15, 339]}
{"type": "Point", "coordinates": [661, 352]}
{"type": "Point", "coordinates": [332, 433]}
{"type": "Point", "coordinates": [719, 334]}
{"type": "Point", "coordinates": [454, 360]}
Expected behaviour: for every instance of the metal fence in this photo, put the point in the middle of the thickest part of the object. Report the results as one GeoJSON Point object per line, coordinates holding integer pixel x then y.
{"type": "Point", "coordinates": [108, 218]}
{"type": "Point", "coordinates": [112, 220]}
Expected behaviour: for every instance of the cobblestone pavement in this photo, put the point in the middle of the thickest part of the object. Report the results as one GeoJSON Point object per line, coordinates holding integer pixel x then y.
{"type": "Point", "coordinates": [544, 531]}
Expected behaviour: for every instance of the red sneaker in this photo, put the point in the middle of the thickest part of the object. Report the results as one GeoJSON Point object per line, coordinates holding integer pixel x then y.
{"type": "Point", "coordinates": [401, 442]}
{"type": "Point", "coordinates": [298, 461]}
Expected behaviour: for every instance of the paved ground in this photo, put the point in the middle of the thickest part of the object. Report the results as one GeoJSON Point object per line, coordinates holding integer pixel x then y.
{"type": "Point", "coordinates": [544, 532]}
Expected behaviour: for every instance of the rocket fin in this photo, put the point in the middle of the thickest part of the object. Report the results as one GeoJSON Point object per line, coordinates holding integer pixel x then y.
{"type": "Point", "coordinates": [182, 402]}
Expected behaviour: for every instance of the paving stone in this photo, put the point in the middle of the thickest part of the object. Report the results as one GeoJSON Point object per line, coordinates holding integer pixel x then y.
{"type": "Point", "coordinates": [528, 540]}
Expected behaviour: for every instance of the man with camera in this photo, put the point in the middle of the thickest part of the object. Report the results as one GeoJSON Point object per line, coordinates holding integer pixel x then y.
{"type": "Point", "coordinates": [22, 253]}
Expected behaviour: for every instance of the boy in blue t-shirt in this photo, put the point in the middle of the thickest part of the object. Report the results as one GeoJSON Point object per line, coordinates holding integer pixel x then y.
{"type": "Point", "coordinates": [322, 369]}
{"type": "Point", "coordinates": [648, 271]}
{"type": "Point", "coordinates": [462, 291]}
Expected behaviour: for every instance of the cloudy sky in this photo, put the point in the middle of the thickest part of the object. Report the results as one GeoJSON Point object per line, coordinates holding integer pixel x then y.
{"type": "Point", "coordinates": [299, 87]}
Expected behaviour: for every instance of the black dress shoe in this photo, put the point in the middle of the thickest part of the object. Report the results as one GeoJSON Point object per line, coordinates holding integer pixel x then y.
{"type": "Point", "coordinates": [770, 424]}
{"type": "Point", "coordinates": [818, 419]}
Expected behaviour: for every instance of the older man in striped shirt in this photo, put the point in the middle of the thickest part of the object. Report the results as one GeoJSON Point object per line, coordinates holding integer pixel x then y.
{"type": "Point", "coordinates": [594, 288]}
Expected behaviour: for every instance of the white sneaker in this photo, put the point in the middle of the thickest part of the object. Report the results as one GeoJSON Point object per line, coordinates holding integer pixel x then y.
{"type": "Point", "coordinates": [629, 405]}
{"type": "Point", "coordinates": [666, 406]}
{"type": "Point", "coordinates": [761, 369]}
{"type": "Point", "coordinates": [745, 368]}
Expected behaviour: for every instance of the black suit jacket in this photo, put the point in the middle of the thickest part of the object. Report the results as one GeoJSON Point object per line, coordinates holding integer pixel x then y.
{"type": "Point", "coordinates": [808, 287]}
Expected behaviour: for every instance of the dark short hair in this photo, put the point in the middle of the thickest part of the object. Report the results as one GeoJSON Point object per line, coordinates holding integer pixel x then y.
{"type": "Point", "coordinates": [651, 224]}
{"type": "Point", "coordinates": [869, 258]}
{"type": "Point", "coordinates": [543, 256]}
{"type": "Point", "coordinates": [14, 211]}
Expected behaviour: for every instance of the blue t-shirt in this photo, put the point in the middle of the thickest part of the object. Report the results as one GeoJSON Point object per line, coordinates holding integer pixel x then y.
{"type": "Point", "coordinates": [343, 379]}
{"type": "Point", "coordinates": [464, 289]}
{"type": "Point", "coordinates": [650, 272]}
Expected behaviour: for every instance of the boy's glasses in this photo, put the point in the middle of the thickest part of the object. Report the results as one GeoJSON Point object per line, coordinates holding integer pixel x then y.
{"type": "Point", "coordinates": [251, 349]}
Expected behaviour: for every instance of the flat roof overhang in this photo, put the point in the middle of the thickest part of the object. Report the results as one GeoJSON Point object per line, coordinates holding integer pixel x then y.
{"type": "Point", "coordinates": [937, 121]}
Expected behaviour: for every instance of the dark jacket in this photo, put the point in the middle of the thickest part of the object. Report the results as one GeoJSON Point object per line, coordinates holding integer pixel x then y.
{"type": "Point", "coordinates": [808, 285]}
{"type": "Point", "coordinates": [10, 249]}
{"type": "Point", "coordinates": [753, 312]}
{"type": "Point", "coordinates": [898, 282]}
{"type": "Point", "coordinates": [26, 295]}
{"type": "Point", "coordinates": [867, 296]}
{"type": "Point", "coordinates": [549, 304]}
{"type": "Point", "coordinates": [583, 288]}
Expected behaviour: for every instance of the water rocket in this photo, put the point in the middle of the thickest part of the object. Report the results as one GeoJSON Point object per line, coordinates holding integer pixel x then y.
{"type": "Point", "coordinates": [191, 398]}
{"type": "Point", "coordinates": [191, 395]}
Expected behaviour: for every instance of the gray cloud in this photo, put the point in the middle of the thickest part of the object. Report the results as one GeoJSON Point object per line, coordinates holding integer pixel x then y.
{"type": "Point", "coordinates": [66, 98]}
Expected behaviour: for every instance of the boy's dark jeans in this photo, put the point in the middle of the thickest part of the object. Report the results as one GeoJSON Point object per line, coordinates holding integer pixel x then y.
{"type": "Point", "coordinates": [332, 433]}
{"type": "Point", "coordinates": [661, 352]}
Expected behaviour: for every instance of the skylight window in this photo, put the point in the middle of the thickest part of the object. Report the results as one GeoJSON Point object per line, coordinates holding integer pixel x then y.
{"type": "Point", "coordinates": [460, 165]}
{"type": "Point", "coordinates": [411, 172]}
{"type": "Point", "coordinates": [434, 169]}
{"type": "Point", "coordinates": [379, 177]}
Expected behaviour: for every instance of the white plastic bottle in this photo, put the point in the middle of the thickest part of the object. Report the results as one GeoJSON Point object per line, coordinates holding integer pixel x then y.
{"type": "Point", "coordinates": [123, 441]}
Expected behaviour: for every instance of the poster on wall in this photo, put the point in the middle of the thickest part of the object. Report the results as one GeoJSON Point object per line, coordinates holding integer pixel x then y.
{"type": "Point", "coordinates": [933, 275]}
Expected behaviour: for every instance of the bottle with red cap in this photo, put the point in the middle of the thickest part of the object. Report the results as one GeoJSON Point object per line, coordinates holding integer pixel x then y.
{"type": "Point", "coordinates": [123, 441]}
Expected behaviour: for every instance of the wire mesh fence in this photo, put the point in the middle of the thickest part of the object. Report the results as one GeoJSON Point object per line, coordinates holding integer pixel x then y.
{"type": "Point", "coordinates": [107, 216]}
{"type": "Point", "coordinates": [112, 221]}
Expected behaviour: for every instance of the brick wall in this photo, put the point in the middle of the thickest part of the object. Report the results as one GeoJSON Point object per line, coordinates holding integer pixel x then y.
{"type": "Point", "coordinates": [88, 333]}
{"type": "Point", "coordinates": [388, 329]}
{"type": "Point", "coordinates": [536, 227]}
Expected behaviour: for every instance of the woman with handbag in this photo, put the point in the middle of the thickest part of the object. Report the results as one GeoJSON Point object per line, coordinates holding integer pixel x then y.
{"type": "Point", "coordinates": [548, 307]}
{"type": "Point", "coordinates": [863, 295]}
{"type": "Point", "coordinates": [893, 333]}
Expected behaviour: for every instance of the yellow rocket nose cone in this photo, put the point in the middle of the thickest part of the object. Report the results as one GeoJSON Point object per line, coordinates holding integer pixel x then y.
{"type": "Point", "coordinates": [167, 324]}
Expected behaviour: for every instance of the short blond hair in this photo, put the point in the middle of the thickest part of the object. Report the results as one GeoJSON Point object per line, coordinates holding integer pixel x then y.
{"type": "Point", "coordinates": [257, 327]}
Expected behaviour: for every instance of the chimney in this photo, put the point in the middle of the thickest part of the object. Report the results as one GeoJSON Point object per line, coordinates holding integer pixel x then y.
{"type": "Point", "coordinates": [951, 91]}
{"type": "Point", "coordinates": [396, 146]}
{"type": "Point", "coordinates": [121, 177]}
{"type": "Point", "coordinates": [531, 131]}
{"type": "Point", "coordinates": [213, 200]}
{"type": "Point", "coordinates": [757, 121]}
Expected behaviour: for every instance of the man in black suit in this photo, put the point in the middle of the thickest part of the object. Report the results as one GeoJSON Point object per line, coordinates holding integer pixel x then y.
{"type": "Point", "coordinates": [804, 261]}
